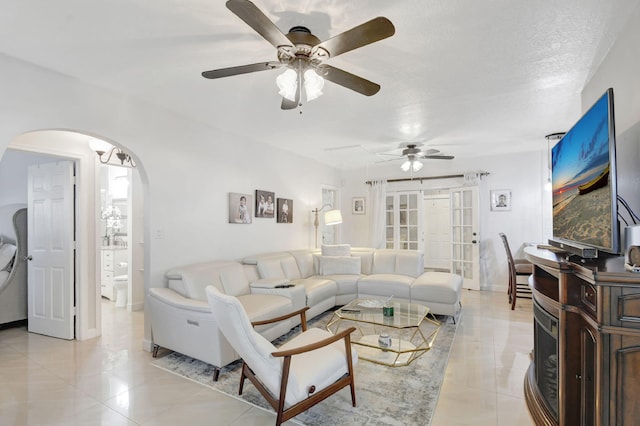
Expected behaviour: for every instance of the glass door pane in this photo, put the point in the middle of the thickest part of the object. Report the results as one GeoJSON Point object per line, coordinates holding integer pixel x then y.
{"type": "Point", "coordinates": [465, 252]}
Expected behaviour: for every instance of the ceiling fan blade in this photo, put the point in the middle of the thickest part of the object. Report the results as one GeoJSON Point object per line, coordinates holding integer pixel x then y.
{"type": "Point", "coordinates": [392, 159]}
{"type": "Point", "coordinates": [348, 80]}
{"type": "Point", "coordinates": [243, 69]}
{"type": "Point", "coordinates": [371, 31]}
{"type": "Point", "coordinates": [438, 157]}
{"type": "Point", "coordinates": [252, 16]}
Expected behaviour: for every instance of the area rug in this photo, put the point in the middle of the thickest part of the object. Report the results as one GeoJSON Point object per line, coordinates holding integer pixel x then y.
{"type": "Point", "coordinates": [384, 395]}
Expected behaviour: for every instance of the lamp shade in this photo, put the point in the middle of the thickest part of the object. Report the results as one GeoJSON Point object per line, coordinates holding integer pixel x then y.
{"type": "Point", "coordinates": [287, 83]}
{"type": "Point", "coordinates": [332, 217]}
{"type": "Point", "coordinates": [313, 85]}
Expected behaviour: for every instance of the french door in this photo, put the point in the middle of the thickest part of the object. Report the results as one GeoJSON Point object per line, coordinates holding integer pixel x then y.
{"type": "Point", "coordinates": [403, 227]}
{"type": "Point", "coordinates": [465, 238]}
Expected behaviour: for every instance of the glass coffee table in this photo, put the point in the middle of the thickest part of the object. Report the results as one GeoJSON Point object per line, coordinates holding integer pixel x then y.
{"type": "Point", "coordinates": [395, 340]}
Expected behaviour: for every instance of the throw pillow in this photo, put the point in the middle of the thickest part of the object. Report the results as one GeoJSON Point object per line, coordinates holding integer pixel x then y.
{"type": "Point", "coordinates": [339, 265]}
{"type": "Point", "coordinates": [336, 250]}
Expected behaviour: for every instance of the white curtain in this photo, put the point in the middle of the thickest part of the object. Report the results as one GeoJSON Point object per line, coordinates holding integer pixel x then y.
{"type": "Point", "coordinates": [378, 195]}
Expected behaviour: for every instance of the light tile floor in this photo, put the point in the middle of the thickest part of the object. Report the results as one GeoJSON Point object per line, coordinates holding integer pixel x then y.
{"type": "Point", "coordinates": [109, 380]}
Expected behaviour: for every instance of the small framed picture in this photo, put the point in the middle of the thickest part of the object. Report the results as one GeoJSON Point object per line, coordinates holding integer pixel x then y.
{"type": "Point", "coordinates": [285, 211]}
{"type": "Point", "coordinates": [240, 207]}
{"type": "Point", "coordinates": [357, 205]}
{"type": "Point", "coordinates": [500, 200]}
{"type": "Point", "coordinates": [265, 204]}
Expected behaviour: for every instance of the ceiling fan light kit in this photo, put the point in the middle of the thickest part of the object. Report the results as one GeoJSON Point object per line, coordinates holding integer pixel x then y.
{"type": "Point", "coordinates": [302, 53]}
{"type": "Point", "coordinates": [411, 164]}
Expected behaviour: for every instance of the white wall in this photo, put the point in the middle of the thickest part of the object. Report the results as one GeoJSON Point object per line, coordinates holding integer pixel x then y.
{"type": "Point", "coordinates": [524, 174]}
{"type": "Point", "coordinates": [187, 168]}
{"type": "Point", "coordinates": [13, 175]}
{"type": "Point", "coordinates": [621, 70]}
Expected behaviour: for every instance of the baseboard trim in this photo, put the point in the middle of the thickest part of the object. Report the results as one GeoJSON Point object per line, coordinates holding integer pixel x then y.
{"type": "Point", "coordinates": [135, 307]}
{"type": "Point", "coordinates": [147, 345]}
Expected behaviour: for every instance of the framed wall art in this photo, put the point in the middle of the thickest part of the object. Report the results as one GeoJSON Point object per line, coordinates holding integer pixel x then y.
{"type": "Point", "coordinates": [265, 204]}
{"type": "Point", "coordinates": [285, 210]}
{"type": "Point", "coordinates": [358, 205]}
{"type": "Point", "coordinates": [240, 206]}
{"type": "Point", "coordinates": [500, 199]}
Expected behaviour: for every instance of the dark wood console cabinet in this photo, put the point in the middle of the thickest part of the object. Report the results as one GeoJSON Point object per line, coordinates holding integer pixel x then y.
{"type": "Point", "coordinates": [590, 311]}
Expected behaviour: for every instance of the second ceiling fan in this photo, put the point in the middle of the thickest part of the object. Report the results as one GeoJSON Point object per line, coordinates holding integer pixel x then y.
{"type": "Point", "coordinates": [413, 155]}
{"type": "Point", "coordinates": [303, 54]}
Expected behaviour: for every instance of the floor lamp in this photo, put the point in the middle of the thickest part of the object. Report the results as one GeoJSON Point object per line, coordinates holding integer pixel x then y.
{"type": "Point", "coordinates": [331, 217]}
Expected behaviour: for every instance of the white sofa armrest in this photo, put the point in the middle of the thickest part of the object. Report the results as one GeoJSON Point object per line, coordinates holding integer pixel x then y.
{"type": "Point", "coordinates": [270, 283]}
{"type": "Point", "coordinates": [296, 293]}
{"type": "Point", "coordinates": [172, 298]}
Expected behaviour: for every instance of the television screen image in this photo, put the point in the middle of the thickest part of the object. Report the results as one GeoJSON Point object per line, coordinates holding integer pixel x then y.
{"type": "Point", "coordinates": [583, 178]}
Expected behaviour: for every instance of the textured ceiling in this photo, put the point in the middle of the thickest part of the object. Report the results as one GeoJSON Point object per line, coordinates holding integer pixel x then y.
{"type": "Point", "coordinates": [466, 77]}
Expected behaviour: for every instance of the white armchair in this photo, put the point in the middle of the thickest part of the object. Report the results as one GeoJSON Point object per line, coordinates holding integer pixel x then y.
{"type": "Point", "coordinates": [304, 371]}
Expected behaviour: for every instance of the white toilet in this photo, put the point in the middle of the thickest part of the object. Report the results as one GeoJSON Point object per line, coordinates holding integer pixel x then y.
{"type": "Point", "coordinates": [121, 286]}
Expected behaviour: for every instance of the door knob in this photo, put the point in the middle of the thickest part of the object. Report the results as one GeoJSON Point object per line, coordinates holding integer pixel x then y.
{"type": "Point", "coordinates": [28, 257]}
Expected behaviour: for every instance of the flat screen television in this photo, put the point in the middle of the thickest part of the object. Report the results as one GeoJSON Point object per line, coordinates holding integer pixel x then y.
{"type": "Point", "coordinates": [583, 172]}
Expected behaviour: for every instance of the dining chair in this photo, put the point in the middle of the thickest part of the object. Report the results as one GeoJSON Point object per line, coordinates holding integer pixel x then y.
{"type": "Point", "coordinates": [518, 268]}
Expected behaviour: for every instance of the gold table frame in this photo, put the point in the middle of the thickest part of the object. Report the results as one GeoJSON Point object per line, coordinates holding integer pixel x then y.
{"type": "Point", "coordinates": [408, 342]}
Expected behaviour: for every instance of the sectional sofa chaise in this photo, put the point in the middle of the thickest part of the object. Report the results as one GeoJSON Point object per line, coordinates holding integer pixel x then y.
{"type": "Point", "coordinates": [272, 284]}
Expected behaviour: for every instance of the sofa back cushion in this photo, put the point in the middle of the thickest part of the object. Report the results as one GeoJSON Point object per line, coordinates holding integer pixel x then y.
{"type": "Point", "coordinates": [366, 258]}
{"type": "Point", "coordinates": [191, 280]}
{"type": "Point", "coordinates": [234, 280]}
{"type": "Point", "coordinates": [339, 265]}
{"type": "Point", "coordinates": [336, 250]}
{"type": "Point", "coordinates": [403, 262]}
{"type": "Point", "coordinates": [279, 265]}
{"type": "Point", "coordinates": [270, 268]}
{"type": "Point", "coordinates": [305, 261]}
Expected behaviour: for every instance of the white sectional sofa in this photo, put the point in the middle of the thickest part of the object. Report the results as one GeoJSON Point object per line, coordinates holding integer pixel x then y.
{"type": "Point", "coordinates": [271, 284]}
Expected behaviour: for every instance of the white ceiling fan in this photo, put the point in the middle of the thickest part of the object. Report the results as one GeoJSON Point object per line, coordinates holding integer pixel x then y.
{"type": "Point", "coordinates": [412, 155]}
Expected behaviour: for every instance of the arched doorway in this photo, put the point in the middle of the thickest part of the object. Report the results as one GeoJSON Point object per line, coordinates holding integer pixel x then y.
{"type": "Point", "coordinates": [57, 144]}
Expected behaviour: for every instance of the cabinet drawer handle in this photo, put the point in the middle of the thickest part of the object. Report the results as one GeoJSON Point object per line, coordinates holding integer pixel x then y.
{"type": "Point", "coordinates": [192, 322]}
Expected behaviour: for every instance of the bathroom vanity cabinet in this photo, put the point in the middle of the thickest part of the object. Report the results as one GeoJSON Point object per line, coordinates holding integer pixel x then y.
{"type": "Point", "coordinates": [114, 261]}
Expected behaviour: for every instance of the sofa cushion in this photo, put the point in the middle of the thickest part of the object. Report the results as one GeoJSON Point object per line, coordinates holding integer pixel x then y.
{"type": "Point", "coordinates": [234, 280]}
{"type": "Point", "coordinates": [366, 259]}
{"type": "Point", "coordinates": [442, 287]}
{"type": "Point", "coordinates": [336, 265]}
{"type": "Point", "coordinates": [403, 262]}
{"type": "Point", "coordinates": [398, 286]}
{"type": "Point", "coordinates": [305, 261]}
{"type": "Point", "coordinates": [265, 306]}
{"type": "Point", "coordinates": [191, 280]}
{"type": "Point", "coordinates": [290, 267]}
{"type": "Point", "coordinates": [384, 262]}
{"type": "Point", "coordinates": [347, 284]}
{"type": "Point", "coordinates": [409, 263]}
{"type": "Point", "coordinates": [336, 250]}
{"type": "Point", "coordinates": [318, 289]}
{"type": "Point", "coordinates": [270, 268]}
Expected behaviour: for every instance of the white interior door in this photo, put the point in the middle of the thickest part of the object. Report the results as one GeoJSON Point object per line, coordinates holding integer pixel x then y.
{"type": "Point", "coordinates": [465, 236]}
{"type": "Point", "coordinates": [437, 231]}
{"type": "Point", "coordinates": [51, 249]}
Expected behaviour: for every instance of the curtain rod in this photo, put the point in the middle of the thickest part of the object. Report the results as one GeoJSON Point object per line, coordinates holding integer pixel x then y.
{"type": "Point", "coordinates": [427, 178]}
